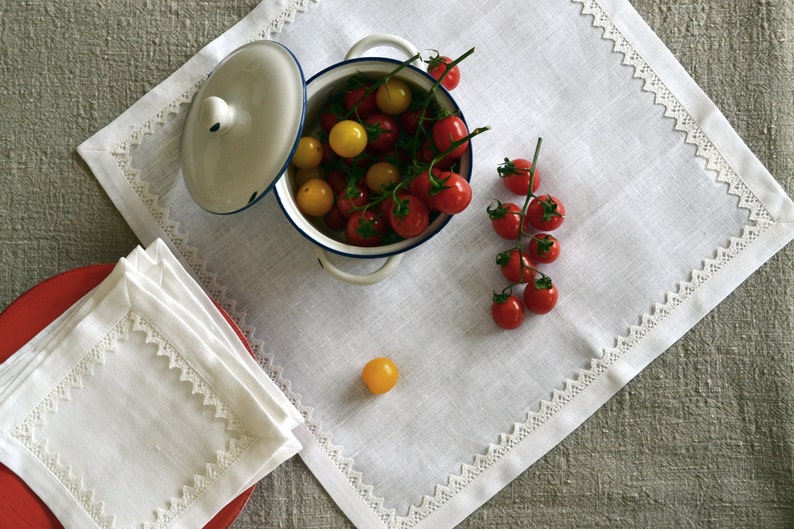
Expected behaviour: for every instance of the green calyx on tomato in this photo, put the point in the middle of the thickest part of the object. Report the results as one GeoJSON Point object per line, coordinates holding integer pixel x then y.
{"type": "Point", "coordinates": [497, 211]}
{"type": "Point", "coordinates": [542, 282]}
{"type": "Point", "coordinates": [551, 208]}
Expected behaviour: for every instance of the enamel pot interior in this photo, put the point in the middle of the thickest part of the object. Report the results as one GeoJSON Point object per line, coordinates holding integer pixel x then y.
{"type": "Point", "coordinates": [318, 91]}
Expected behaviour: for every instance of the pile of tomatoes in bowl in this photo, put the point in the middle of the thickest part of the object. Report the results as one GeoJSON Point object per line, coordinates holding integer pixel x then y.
{"type": "Point", "coordinates": [383, 160]}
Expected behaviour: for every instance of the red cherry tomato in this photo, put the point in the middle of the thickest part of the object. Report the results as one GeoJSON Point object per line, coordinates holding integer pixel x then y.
{"type": "Point", "coordinates": [352, 199]}
{"type": "Point", "coordinates": [337, 179]}
{"type": "Point", "coordinates": [454, 196]}
{"type": "Point", "coordinates": [508, 314]}
{"type": "Point", "coordinates": [421, 185]}
{"type": "Point", "coordinates": [365, 228]}
{"type": "Point", "coordinates": [439, 64]}
{"type": "Point", "coordinates": [540, 299]}
{"type": "Point", "coordinates": [365, 105]}
{"type": "Point", "coordinates": [386, 204]}
{"type": "Point", "coordinates": [544, 248]}
{"type": "Point", "coordinates": [515, 175]}
{"type": "Point", "coordinates": [511, 267]}
{"type": "Point", "coordinates": [427, 151]}
{"type": "Point", "coordinates": [382, 131]}
{"type": "Point", "coordinates": [448, 130]}
{"type": "Point", "coordinates": [408, 216]}
{"type": "Point", "coordinates": [506, 219]}
{"type": "Point", "coordinates": [327, 121]}
{"type": "Point", "coordinates": [411, 119]}
{"type": "Point", "coordinates": [544, 213]}
{"type": "Point", "coordinates": [334, 219]}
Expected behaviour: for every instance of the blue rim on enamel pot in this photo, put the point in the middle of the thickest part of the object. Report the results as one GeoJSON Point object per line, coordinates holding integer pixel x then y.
{"type": "Point", "coordinates": [320, 88]}
{"type": "Point", "coordinates": [243, 127]}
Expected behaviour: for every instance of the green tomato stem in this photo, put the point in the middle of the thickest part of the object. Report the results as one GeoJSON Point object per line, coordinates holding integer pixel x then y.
{"type": "Point", "coordinates": [530, 195]}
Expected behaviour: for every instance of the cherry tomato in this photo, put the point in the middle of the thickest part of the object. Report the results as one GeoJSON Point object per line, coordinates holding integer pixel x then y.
{"type": "Point", "coordinates": [540, 299]}
{"type": "Point", "coordinates": [337, 179]}
{"type": "Point", "coordinates": [382, 131]}
{"type": "Point", "coordinates": [380, 375]}
{"type": "Point", "coordinates": [308, 153]}
{"type": "Point", "coordinates": [427, 151]}
{"type": "Point", "coordinates": [386, 205]}
{"type": "Point", "coordinates": [364, 105]}
{"type": "Point", "coordinates": [515, 175]}
{"type": "Point", "coordinates": [381, 175]}
{"type": "Point", "coordinates": [408, 216]}
{"type": "Point", "coordinates": [420, 187]}
{"type": "Point", "coordinates": [327, 121]}
{"type": "Point", "coordinates": [334, 219]}
{"type": "Point", "coordinates": [348, 138]}
{"type": "Point", "coordinates": [412, 118]}
{"type": "Point", "coordinates": [544, 248]}
{"type": "Point", "coordinates": [438, 65]}
{"type": "Point", "coordinates": [511, 268]}
{"type": "Point", "coordinates": [454, 196]}
{"type": "Point", "coordinates": [509, 313]}
{"type": "Point", "coordinates": [315, 198]}
{"type": "Point", "coordinates": [352, 200]}
{"type": "Point", "coordinates": [544, 213]}
{"type": "Point", "coordinates": [506, 219]}
{"type": "Point", "coordinates": [304, 175]}
{"type": "Point", "coordinates": [365, 228]}
{"type": "Point", "coordinates": [393, 96]}
{"type": "Point", "coordinates": [448, 130]}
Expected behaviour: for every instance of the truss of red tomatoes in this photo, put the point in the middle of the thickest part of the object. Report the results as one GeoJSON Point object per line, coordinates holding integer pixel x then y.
{"type": "Point", "coordinates": [384, 162]}
{"type": "Point", "coordinates": [528, 225]}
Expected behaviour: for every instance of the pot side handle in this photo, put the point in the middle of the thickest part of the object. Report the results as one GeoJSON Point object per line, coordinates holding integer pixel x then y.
{"type": "Point", "coordinates": [355, 279]}
{"type": "Point", "coordinates": [383, 39]}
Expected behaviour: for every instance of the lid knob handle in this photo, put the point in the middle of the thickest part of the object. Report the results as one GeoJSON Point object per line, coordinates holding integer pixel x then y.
{"type": "Point", "coordinates": [216, 115]}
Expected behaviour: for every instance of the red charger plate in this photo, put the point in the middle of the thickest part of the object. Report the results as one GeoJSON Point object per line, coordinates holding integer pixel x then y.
{"type": "Point", "coordinates": [20, 508]}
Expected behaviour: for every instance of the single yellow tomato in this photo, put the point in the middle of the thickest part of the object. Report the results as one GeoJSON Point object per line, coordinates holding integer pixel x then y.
{"type": "Point", "coordinates": [348, 138]}
{"type": "Point", "coordinates": [315, 197]}
{"type": "Point", "coordinates": [381, 175]}
{"type": "Point", "coordinates": [393, 97]}
{"type": "Point", "coordinates": [308, 153]}
{"type": "Point", "coordinates": [380, 375]}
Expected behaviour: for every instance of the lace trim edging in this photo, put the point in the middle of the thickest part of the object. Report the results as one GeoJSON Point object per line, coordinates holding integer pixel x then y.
{"type": "Point", "coordinates": [684, 122]}
{"type": "Point", "coordinates": [74, 380]}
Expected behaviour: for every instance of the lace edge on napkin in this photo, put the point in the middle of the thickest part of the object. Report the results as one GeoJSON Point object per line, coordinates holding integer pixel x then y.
{"type": "Point", "coordinates": [760, 221]}
{"type": "Point", "coordinates": [74, 379]}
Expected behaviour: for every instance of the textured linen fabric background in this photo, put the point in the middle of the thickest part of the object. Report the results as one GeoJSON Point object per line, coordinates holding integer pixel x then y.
{"type": "Point", "coordinates": [704, 437]}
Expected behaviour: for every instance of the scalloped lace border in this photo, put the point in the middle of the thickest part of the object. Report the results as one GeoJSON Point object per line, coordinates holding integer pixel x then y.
{"type": "Point", "coordinates": [684, 122]}
{"type": "Point", "coordinates": [88, 499]}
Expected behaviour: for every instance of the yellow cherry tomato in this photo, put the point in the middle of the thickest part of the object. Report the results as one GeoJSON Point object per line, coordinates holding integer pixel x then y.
{"type": "Point", "coordinates": [380, 375]}
{"type": "Point", "coordinates": [304, 175]}
{"type": "Point", "coordinates": [308, 153]}
{"type": "Point", "coordinates": [348, 138]}
{"type": "Point", "coordinates": [393, 96]}
{"type": "Point", "coordinates": [315, 197]}
{"type": "Point", "coordinates": [382, 174]}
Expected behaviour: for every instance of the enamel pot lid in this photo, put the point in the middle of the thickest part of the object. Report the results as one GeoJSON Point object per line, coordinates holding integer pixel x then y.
{"type": "Point", "coordinates": [243, 127]}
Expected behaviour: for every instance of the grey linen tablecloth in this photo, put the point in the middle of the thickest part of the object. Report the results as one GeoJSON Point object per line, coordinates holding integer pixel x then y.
{"type": "Point", "coordinates": [704, 437]}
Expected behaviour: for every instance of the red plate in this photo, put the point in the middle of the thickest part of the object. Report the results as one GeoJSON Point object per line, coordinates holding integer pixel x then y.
{"type": "Point", "coordinates": [21, 321]}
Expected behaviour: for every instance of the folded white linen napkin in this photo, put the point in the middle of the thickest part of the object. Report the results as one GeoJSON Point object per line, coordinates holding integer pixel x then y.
{"type": "Point", "coordinates": [140, 406]}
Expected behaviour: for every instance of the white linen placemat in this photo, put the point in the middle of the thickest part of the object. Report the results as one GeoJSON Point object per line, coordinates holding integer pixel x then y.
{"type": "Point", "coordinates": [668, 211]}
{"type": "Point", "coordinates": [138, 409]}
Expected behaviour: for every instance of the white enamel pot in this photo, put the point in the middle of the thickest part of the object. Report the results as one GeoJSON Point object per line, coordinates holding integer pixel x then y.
{"type": "Point", "coordinates": [237, 144]}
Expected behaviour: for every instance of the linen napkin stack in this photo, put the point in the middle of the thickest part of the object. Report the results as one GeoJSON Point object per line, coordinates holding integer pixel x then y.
{"type": "Point", "coordinates": [140, 406]}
